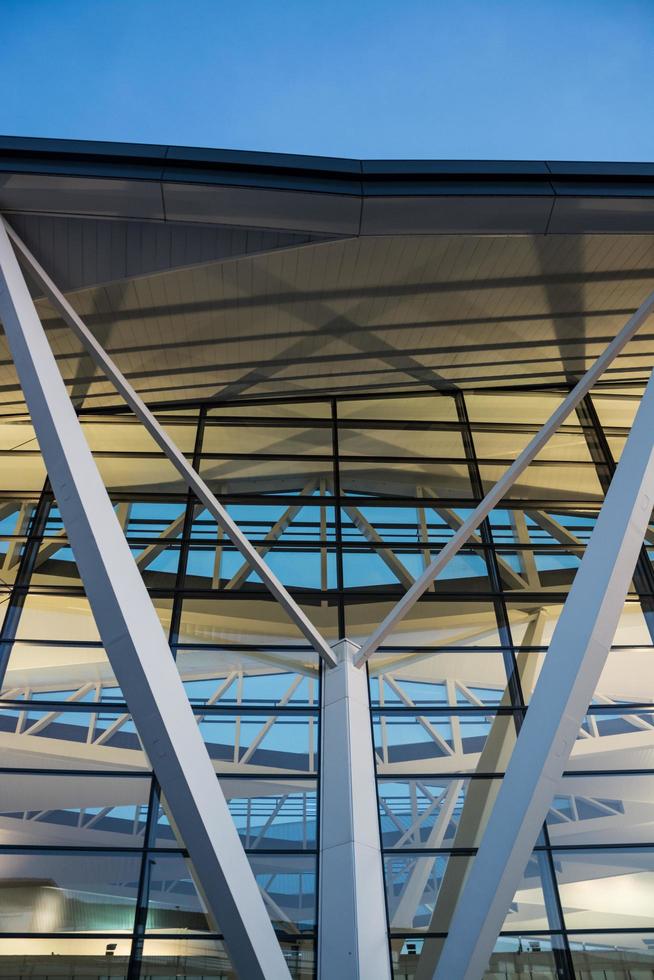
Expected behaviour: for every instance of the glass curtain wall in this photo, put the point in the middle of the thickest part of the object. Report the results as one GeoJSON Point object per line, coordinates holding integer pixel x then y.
{"type": "Point", "coordinates": [348, 500]}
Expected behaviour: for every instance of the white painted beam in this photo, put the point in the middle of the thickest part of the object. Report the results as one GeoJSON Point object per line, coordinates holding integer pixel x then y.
{"type": "Point", "coordinates": [352, 937]}
{"type": "Point", "coordinates": [192, 479]}
{"type": "Point", "coordinates": [571, 671]}
{"type": "Point", "coordinates": [273, 535]}
{"type": "Point", "coordinates": [387, 555]}
{"type": "Point", "coordinates": [135, 642]}
{"type": "Point", "coordinates": [409, 901]}
{"type": "Point", "coordinates": [501, 488]}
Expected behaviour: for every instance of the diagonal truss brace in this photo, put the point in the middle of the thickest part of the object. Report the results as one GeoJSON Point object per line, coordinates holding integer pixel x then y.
{"type": "Point", "coordinates": [571, 671]}
{"type": "Point", "coordinates": [501, 488]}
{"type": "Point", "coordinates": [135, 643]}
{"type": "Point", "coordinates": [192, 479]}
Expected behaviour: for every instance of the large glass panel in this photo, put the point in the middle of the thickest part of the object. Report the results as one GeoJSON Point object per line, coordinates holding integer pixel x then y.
{"type": "Point", "coordinates": [82, 958]}
{"type": "Point", "coordinates": [266, 474]}
{"type": "Point", "coordinates": [433, 622]}
{"type": "Point", "coordinates": [469, 677]}
{"type": "Point", "coordinates": [293, 410]}
{"type": "Point", "coordinates": [287, 882]}
{"type": "Point", "coordinates": [613, 954]}
{"type": "Point", "coordinates": [71, 892]}
{"type": "Point", "coordinates": [617, 808]}
{"type": "Point", "coordinates": [568, 445]}
{"type": "Point", "coordinates": [439, 742]}
{"type": "Point", "coordinates": [54, 617]}
{"type": "Point", "coordinates": [614, 739]}
{"type": "Point", "coordinates": [277, 436]}
{"type": "Point", "coordinates": [124, 434]}
{"type": "Point", "coordinates": [297, 564]}
{"type": "Point", "coordinates": [425, 812]}
{"type": "Point", "coordinates": [444, 686]}
{"type": "Point", "coordinates": [606, 888]}
{"type": "Point", "coordinates": [244, 620]}
{"type": "Point", "coordinates": [528, 957]}
{"type": "Point", "coordinates": [449, 479]}
{"type": "Point", "coordinates": [73, 810]}
{"type": "Point", "coordinates": [512, 408]}
{"type": "Point", "coordinates": [391, 439]}
{"type": "Point", "coordinates": [545, 482]}
{"type": "Point", "coordinates": [269, 814]}
{"type": "Point", "coordinates": [261, 742]}
{"type": "Point", "coordinates": [422, 891]}
{"type": "Point", "coordinates": [423, 408]}
{"type": "Point", "coordinates": [208, 959]}
{"type": "Point", "coordinates": [52, 737]}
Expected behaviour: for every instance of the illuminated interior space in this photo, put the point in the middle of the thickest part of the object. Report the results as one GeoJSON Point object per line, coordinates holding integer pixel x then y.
{"type": "Point", "coordinates": [350, 360]}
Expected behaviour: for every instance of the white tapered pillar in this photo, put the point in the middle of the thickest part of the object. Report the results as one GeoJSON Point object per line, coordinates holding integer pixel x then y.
{"type": "Point", "coordinates": [353, 940]}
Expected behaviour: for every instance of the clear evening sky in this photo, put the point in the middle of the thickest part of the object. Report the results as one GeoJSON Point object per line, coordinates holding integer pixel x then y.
{"type": "Point", "coordinates": [495, 79]}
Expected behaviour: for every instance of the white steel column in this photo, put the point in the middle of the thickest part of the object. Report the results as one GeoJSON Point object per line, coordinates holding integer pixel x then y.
{"type": "Point", "coordinates": [135, 643]}
{"type": "Point", "coordinates": [352, 936]}
{"type": "Point", "coordinates": [571, 671]}
{"type": "Point", "coordinates": [192, 479]}
{"type": "Point", "coordinates": [501, 488]}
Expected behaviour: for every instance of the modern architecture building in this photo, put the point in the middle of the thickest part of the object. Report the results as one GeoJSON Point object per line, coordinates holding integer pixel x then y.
{"type": "Point", "coordinates": [327, 626]}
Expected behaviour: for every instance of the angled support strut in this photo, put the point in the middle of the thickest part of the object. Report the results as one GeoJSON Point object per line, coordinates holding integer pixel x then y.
{"type": "Point", "coordinates": [571, 671]}
{"type": "Point", "coordinates": [501, 488]}
{"type": "Point", "coordinates": [135, 643]}
{"type": "Point", "coordinates": [192, 479]}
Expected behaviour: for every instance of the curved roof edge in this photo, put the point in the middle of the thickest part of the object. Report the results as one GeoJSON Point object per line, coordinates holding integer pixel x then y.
{"type": "Point", "coordinates": [324, 195]}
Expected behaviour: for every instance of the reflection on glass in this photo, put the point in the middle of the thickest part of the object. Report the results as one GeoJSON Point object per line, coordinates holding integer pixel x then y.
{"type": "Point", "coordinates": [53, 738]}
{"type": "Point", "coordinates": [80, 810]}
{"type": "Point", "coordinates": [463, 678]}
{"type": "Point", "coordinates": [432, 408]}
{"type": "Point", "coordinates": [391, 439]}
{"type": "Point", "coordinates": [422, 892]}
{"type": "Point", "coordinates": [277, 741]}
{"type": "Point", "coordinates": [260, 474]}
{"type": "Point", "coordinates": [406, 479]}
{"type": "Point", "coordinates": [68, 892]}
{"type": "Point", "coordinates": [282, 437]}
{"type": "Point", "coordinates": [604, 809]}
{"type": "Point", "coordinates": [606, 888]}
{"type": "Point", "coordinates": [441, 743]}
{"type": "Point", "coordinates": [613, 954]}
{"type": "Point", "coordinates": [82, 957]}
{"type": "Point", "coordinates": [525, 956]}
{"type": "Point", "coordinates": [244, 620]}
{"type": "Point", "coordinates": [278, 814]}
{"type": "Point", "coordinates": [201, 959]}
{"type": "Point", "coordinates": [432, 622]}
{"type": "Point", "coordinates": [287, 883]}
{"type": "Point", "coordinates": [423, 812]}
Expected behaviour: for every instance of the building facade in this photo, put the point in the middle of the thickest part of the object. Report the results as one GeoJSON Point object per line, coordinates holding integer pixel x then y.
{"type": "Point", "coordinates": [349, 357]}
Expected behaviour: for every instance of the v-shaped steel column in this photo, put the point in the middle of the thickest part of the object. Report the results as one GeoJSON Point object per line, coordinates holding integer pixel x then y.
{"type": "Point", "coordinates": [135, 643]}
{"type": "Point", "coordinates": [192, 479]}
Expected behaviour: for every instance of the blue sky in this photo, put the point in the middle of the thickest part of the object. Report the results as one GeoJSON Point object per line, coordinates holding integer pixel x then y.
{"type": "Point", "coordinates": [497, 79]}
